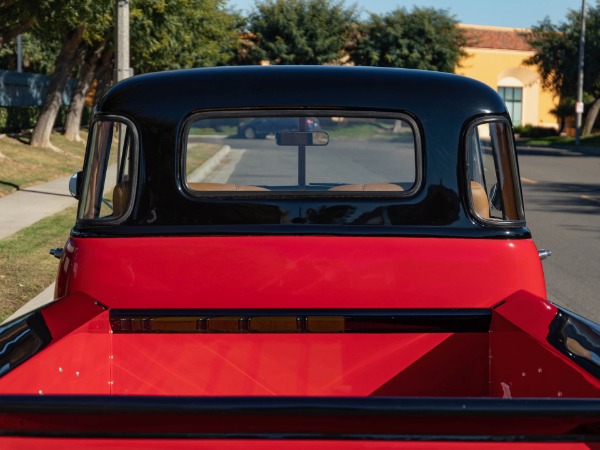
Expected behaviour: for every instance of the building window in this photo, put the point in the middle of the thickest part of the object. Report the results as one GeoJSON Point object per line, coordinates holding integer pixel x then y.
{"type": "Point", "coordinates": [513, 98]}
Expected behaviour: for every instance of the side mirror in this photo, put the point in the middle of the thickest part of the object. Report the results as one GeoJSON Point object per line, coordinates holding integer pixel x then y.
{"type": "Point", "coordinates": [75, 184]}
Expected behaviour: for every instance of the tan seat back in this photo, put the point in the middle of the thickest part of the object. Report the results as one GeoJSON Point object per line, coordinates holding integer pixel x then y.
{"type": "Point", "coordinates": [223, 187]}
{"type": "Point", "coordinates": [369, 187]}
{"type": "Point", "coordinates": [480, 200]}
{"type": "Point", "coordinates": [121, 194]}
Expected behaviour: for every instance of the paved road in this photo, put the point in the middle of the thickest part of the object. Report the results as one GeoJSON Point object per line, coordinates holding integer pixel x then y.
{"type": "Point", "coordinates": [266, 163]}
{"type": "Point", "coordinates": [562, 206]}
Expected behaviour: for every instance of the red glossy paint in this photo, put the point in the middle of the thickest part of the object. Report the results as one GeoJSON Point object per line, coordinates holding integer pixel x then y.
{"type": "Point", "coordinates": [79, 363]}
{"type": "Point", "coordinates": [523, 363]}
{"type": "Point", "coordinates": [267, 364]}
{"type": "Point", "coordinates": [299, 272]}
{"type": "Point", "coordinates": [292, 272]}
{"type": "Point", "coordinates": [511, 360]}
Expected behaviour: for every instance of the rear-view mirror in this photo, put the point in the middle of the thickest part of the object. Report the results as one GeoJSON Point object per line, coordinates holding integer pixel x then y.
{"type": "Point", "coordinates": [305, 138]}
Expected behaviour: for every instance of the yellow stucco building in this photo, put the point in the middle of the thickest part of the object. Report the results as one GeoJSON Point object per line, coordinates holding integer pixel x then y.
{"type": "Point", "coordinates": [495, 57]}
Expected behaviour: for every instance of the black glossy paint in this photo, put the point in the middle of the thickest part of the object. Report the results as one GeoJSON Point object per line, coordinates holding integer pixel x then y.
{"type": "Point", "coordinates": [368, 418]}
{"type": "Point", "coordinates": [21, 339]}
{"type": "Point", "coordinates": [567, 325]}
{"type": "Point", "coordinates": [160, 105]}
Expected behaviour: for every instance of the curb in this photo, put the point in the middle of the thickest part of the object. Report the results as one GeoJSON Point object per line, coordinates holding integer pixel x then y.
{"type": "Point", "coordinates": [202, 172]}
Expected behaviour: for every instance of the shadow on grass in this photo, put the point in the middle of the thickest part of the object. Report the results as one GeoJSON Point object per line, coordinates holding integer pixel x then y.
{"type": "Point", "coordinates": [8, 183]}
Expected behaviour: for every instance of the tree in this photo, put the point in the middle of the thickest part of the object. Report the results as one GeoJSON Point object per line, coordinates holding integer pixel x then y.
{"type": "Point", "coordinates": [424, 38]}
{"type": "Point", "coordinates": [556, 56]}
{"type": "Point", "coordinates": [176, 34]}
{"type": "Point", "coordinates": [95, 56]}
{"type": "Point", "coordinates": [40, 136]}
{"type": "Point", "coordinates": [300, 31]}
{"type": "Point", "coordinates": [80, 21]}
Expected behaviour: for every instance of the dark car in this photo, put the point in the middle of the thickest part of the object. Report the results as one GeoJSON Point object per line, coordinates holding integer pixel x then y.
{"type": "Point", "coordinates": [263, 126]}
{"type": "Point", "coordinates": [364, 280]}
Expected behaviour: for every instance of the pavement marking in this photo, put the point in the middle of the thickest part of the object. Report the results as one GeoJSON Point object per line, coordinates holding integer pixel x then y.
{"type": "Point", "coordinates": [528, 181]}
{"type": "Point", "coordinates": [591, 198]}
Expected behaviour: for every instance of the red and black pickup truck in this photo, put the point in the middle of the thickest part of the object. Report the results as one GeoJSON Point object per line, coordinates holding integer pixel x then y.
{"type": "Point", "coordinates": [300, 258]}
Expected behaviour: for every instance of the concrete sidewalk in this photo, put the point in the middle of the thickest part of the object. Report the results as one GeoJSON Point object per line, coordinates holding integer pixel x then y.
{"type": "Point", "coordinates": [29, 205]}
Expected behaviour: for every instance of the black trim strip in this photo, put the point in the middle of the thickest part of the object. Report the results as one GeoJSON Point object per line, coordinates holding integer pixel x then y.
{"type": "Point", "coordinates": [301, 321]}
{"type": "Point", "coordinates": [22, 338]}
{"type": "Point", "coordinates": [512, 438]}
{"type": "Point", "coordinates": [576, 337]}
{"type": "Point", "coordinates": [301, 406]}
{"type": "Point", "coordinates": [303, 230]}
{"type": "Point", "coordinates": [301, 417]}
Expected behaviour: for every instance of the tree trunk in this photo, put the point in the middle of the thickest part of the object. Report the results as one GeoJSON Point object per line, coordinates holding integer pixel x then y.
{"type": "Point", "coordinates": [591, 118]}
{"type": "Point", "coordinates": [73, 120]}
{"type": "Point", "coordinates": [104, 75]}
{"type": "Point", "coordinates": [64, 63]}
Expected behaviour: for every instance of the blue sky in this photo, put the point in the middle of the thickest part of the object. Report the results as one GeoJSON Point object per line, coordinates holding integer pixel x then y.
{"type": "Point", "coordinates": [501, 13]}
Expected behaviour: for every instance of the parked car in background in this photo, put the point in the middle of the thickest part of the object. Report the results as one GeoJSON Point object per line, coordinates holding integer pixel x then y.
{"type": "Point", "coordinates": [262, 126]}
{"type": "Point", "coordinates": [365, 279]}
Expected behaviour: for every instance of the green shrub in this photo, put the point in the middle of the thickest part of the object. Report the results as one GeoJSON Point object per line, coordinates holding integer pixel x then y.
{"type": "Point", "coordinates": [14, 119]}
{"type": "Point", "coordinates": [529, 131]}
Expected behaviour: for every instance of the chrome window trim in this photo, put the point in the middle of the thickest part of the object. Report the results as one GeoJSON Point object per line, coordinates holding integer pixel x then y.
{"type": "Point", "coordinates": [109, 220]}
{"type": "Point", "coordinates": [513, 167]}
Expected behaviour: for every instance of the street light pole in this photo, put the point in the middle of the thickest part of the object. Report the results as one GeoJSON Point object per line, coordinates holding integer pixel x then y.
{"type": "Point", "coordinates": [579, 104]}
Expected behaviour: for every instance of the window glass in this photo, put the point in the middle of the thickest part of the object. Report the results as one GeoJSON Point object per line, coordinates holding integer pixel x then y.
{"type": "Point", "coordinates": [108, 171]}
{"type": "Point", "coordinates": [513, 98]}
{"type": "Point", "coordinates": [492, 174]}
{"type": "Point", "coordinates": [301, 154]}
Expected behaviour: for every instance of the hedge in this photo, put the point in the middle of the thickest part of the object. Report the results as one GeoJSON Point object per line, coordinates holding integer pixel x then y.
{"type": "Point", "coordinates": [18, 118]}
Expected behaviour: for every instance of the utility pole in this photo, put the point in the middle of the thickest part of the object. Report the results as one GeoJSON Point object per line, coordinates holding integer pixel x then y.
{"type": "Point", "coordinates": [19, 53]}
{"type": "Point", "coordinates": [579, 104]}
{"type": "Point", "coordinates": [122, 69]}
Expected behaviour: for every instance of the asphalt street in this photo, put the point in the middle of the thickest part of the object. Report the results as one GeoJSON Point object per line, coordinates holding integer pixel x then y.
{"type": "Point", "coordinates": [561, 190]}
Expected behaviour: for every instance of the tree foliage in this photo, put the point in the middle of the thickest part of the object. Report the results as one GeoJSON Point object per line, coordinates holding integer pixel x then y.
{"type": "Point", "coordinates": [300, 31]}
{"type": "Point", "coordinates": [424, 38]}
{"type": "Point", "coordinates": [556, 57]}
{"type": "Point", "coordinates": [19, 16]}
{"type": "Point", "coordinates": [176, 34]}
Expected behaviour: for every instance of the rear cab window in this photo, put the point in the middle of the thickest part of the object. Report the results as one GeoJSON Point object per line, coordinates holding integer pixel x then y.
{"type": "Point", "coordinates": [311, 152]}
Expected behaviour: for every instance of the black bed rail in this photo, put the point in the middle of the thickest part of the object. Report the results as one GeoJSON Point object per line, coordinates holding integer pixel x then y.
{"type": "Point", "coordinates": [302, 418]}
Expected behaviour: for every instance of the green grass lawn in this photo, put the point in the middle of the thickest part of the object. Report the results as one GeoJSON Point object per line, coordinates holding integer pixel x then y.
{"type": "Point", "coordinates": [26, 267]}
{"type": "Point", "coordinates": [22, 165]}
